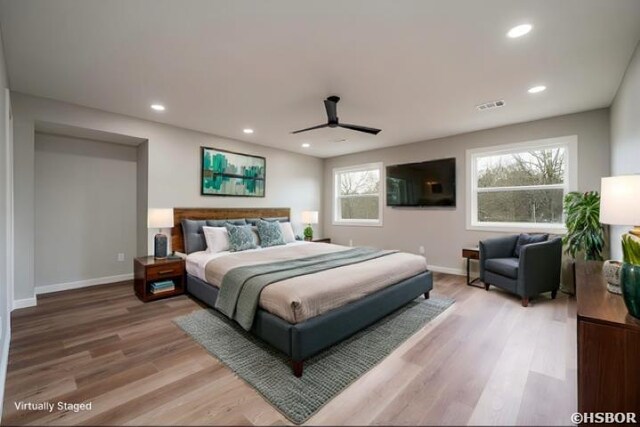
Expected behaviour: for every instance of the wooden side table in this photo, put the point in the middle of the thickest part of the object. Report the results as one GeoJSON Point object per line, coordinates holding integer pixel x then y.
{"type": "Point", "coordinates": [608, 346]}
{"type": "Point", "coordinates": [327, 240]}
{"type": "Point", "coordinates": [147, 270]}
{"type": "Point", "coordinates": [471, 253]}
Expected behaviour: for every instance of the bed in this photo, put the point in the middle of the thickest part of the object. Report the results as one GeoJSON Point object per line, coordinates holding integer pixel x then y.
{"type": "Point", "coordinates": [296, 315]}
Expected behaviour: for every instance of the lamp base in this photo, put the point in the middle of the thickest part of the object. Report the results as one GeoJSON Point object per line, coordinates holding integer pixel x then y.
{"type": "Point", "coordinates": [630, 284]}
{"type": "Point", "coordinates": [160, 246]}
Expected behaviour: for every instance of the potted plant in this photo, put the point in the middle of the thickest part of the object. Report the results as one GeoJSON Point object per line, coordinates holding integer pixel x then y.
{"type": "Point", "coordinates": [585, 233]}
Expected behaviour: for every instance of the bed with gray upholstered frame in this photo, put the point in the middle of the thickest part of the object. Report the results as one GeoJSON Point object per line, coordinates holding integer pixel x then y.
{"type": "Point", "coordinates": [301, 340]}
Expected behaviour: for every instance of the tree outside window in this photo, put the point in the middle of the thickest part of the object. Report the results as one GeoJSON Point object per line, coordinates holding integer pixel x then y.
{"type": "Point", "coordinates": [358, 195]}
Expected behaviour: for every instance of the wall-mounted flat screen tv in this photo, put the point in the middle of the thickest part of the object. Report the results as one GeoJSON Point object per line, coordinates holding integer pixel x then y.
{"type": "Point", "coordinates": [431, 183]}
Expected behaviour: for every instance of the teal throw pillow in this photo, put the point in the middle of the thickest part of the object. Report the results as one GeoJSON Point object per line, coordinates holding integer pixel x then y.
{"type": "Point", "coordinates": [270, 233]}
{"type": "Point", "coordinates": [240, 237]}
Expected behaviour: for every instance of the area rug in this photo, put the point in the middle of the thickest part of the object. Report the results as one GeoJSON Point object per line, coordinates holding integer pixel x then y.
{"type": "Point", "coordinates": [326, 374]}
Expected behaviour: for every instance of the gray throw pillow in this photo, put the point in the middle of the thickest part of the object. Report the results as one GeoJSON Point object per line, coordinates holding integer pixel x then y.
{"type": "Point", "coordinates": [527, 239]}
{"type": "Point", "coordinates": [240, 237]}
{"type": "Point", "coordinates": [270, 233]}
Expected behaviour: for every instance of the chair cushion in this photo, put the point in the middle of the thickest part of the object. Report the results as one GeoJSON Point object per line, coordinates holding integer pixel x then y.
{"type": "Point", "coordinates": [504, 266]}
{"type": "Point", "coordinates": [527, 239]}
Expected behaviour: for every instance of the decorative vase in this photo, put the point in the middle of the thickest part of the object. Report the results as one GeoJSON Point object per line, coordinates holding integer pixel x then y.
{"type": "Point", "coordinates": [630, 281]}
{"type": "Point", "coordinates": [611, 274]}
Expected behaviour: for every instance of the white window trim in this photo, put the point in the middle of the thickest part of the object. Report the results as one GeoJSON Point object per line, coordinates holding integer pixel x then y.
{"type": "Point", "coordinates": [570, 143]}
{"type": "Point", "coordinates": [381, 192]}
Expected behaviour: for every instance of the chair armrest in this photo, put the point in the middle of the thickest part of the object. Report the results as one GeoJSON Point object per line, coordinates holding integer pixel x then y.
{"type": "Point", "coordinates": [539, 267]}
{"type": "Point", "coordinates": [499, 247]}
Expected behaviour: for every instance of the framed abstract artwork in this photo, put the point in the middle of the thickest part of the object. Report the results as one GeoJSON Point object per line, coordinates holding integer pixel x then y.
{"type": "Point", "coordinates": [225, 173]}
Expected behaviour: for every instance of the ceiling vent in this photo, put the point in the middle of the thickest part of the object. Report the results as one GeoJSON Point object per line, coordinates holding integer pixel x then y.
{"type": "Point", "coordinates": [490, 105]}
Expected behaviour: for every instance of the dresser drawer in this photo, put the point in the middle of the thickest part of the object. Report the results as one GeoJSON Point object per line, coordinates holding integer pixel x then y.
{"type": "Point", "coordinates": [162, 271]}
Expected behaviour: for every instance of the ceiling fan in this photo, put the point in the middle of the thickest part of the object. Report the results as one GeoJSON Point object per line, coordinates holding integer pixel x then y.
{"type": "Point", "coordinates": [331, 106]}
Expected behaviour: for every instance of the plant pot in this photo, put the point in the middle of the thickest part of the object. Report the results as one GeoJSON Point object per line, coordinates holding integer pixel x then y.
{"type": "Point", "coordinates": [630, 283]}
{"type": "Point", "coordinates": [611, 274]}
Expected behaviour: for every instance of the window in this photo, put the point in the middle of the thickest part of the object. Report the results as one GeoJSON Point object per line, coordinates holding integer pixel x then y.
{"type": "Point", "coordinates": [521, 187]}
{"type": "Point", "coordinates": [358, 195]}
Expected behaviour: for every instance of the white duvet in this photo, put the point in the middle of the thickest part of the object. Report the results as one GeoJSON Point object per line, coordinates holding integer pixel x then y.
{"type": "Point", "coordinates": [301, 298]}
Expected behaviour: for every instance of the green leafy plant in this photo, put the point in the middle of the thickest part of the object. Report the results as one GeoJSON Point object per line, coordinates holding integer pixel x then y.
{"type": "Point", "coordinates": [631, 249]}
{"type": "Point", "coordinates": [582, 219]}
{"type": "Point", "coordinates": [308, 232]}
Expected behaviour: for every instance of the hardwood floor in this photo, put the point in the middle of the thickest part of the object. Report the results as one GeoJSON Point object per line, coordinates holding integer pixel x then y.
{"type": "Point", "coordinates": [486, 360]}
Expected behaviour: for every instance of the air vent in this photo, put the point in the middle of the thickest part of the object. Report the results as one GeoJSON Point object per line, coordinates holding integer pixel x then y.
{"type": "Point", "coordinates": [490, 105]}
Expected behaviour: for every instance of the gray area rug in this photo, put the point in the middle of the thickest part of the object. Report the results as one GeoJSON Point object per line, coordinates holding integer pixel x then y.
{"type": "Point", "coordinates": [326, 374]}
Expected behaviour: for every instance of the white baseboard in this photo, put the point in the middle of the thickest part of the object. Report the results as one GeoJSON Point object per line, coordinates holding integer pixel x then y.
{"type": "Point", "coordinates": [82, 283]}
{"type": "Point", "coordinates": [24, 303]}
{"type": "Point", "coordinates": [448, 270]}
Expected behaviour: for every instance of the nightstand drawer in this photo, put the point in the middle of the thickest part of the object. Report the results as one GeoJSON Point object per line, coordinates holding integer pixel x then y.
{"type": "Point", "coordinates": [162, 271]}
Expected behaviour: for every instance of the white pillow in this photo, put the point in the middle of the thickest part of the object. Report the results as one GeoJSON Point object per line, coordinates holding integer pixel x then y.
{"type": "Point", "coordinates": [287, 232]}
{"type": "Point", "coordinates": [256, 236]}
{"type": "Point", "coordinates": [217, 239]}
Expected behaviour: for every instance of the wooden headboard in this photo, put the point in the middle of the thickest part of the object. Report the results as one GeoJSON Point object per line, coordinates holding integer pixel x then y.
{"type": "Point", "coordinates": [177, 238]}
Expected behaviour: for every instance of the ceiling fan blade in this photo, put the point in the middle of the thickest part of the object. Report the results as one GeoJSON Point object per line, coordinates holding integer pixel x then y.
{"type": "Point", "coordinates": [364, 129]}
{"type": "Point", "coordinates": [311, 128]}
{"type": "Point", "coordinates": [330, 104]}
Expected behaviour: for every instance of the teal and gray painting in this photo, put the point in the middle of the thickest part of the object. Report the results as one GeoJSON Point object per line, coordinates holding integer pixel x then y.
{"type": "Point", "coordinates": [232, 174]}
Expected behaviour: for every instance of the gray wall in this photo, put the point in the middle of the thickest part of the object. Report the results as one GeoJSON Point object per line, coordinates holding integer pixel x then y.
{"type": "Point", "coordinates": [625, 136]}
{"type": "Point", "coordinates": [293, 180]}
{"type": "Point", "coordinates": [85, 209]}
{"type": "Point", "coordinates": [5, 226]}
{"type": "Point", "coordinates": [24, 205]}
{"type": "Point", "coordinates": [142, 184]}
{"type": "Point", "coordinates": [443, 231]}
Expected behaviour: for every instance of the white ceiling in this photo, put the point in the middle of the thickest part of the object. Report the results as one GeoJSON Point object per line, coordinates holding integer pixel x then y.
{"type": "Point", "coordinates": [415, 69]}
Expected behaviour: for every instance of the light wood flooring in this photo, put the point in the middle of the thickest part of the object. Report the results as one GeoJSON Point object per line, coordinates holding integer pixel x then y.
{"type": "Point", "coordinates": [486, 360]}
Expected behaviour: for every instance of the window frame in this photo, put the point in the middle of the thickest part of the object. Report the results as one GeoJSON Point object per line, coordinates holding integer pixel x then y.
{"type": "Point", "coordinates": [569, 143]}
{"type": "Point", "coordinates": [336, 219]}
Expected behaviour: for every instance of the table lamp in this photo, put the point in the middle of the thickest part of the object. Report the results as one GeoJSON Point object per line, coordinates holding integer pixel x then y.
{"type": "Point", "coordinates": [620, 201]}
{"type": "Point", "coordinates": [160, 218]}
{"type": "Point", "coordinates": [309, 217]}
{"type": "Point", "coordinates": [620, 205]}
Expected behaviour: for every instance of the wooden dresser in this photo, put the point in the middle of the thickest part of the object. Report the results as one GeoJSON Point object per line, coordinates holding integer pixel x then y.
{"type": "Point", "coordinates": [608, 347]}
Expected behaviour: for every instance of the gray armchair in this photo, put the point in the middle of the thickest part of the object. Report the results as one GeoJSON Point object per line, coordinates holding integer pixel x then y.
{"type": "Point", "coordinates": [535, 271]}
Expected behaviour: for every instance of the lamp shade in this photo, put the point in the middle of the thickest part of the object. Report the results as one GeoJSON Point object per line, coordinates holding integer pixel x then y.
{"type": "Point", "coordinates": [160, 218]}
{"type": "Point", "coordinates": [620, 200]}
{"type": "Point", "coordinates": [310, 217]}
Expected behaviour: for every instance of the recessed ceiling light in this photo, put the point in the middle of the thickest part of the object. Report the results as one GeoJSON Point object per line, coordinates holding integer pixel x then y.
{"type": "Point", "coordinates": [519, 31]}
{"type": "Point", "coordinates": [537, 89]}
{"type": "Point", "coordinates": [306, 145]}
{"type": "Point", "coordinates": [247, 130]}
{"type": "Point", "coordinates": [157, 107]}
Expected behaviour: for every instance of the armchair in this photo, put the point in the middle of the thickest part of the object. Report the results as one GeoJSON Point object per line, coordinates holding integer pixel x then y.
{"type": "Point", "coordinates": [536, 270]}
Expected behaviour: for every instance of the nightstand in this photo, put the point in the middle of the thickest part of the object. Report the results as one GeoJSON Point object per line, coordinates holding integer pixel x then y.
{"type": "Point", "coordinates": [321, 240]}
{"type": "Point", "coordinates": [148, 271]}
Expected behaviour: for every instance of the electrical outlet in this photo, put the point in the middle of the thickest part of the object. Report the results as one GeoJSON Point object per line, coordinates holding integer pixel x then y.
{"type": "Point", "coordinates": [350, 242]}
{"type": "Point", "coordinates": [120, 257]}
{"type": "Point", "coordinates": [421, 250]}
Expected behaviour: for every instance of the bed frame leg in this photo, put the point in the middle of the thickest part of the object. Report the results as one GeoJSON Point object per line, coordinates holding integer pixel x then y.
{"type": "Point", "coordinates": [298, 366]}
{"type": "Point", "coordinates": [426, 295]}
